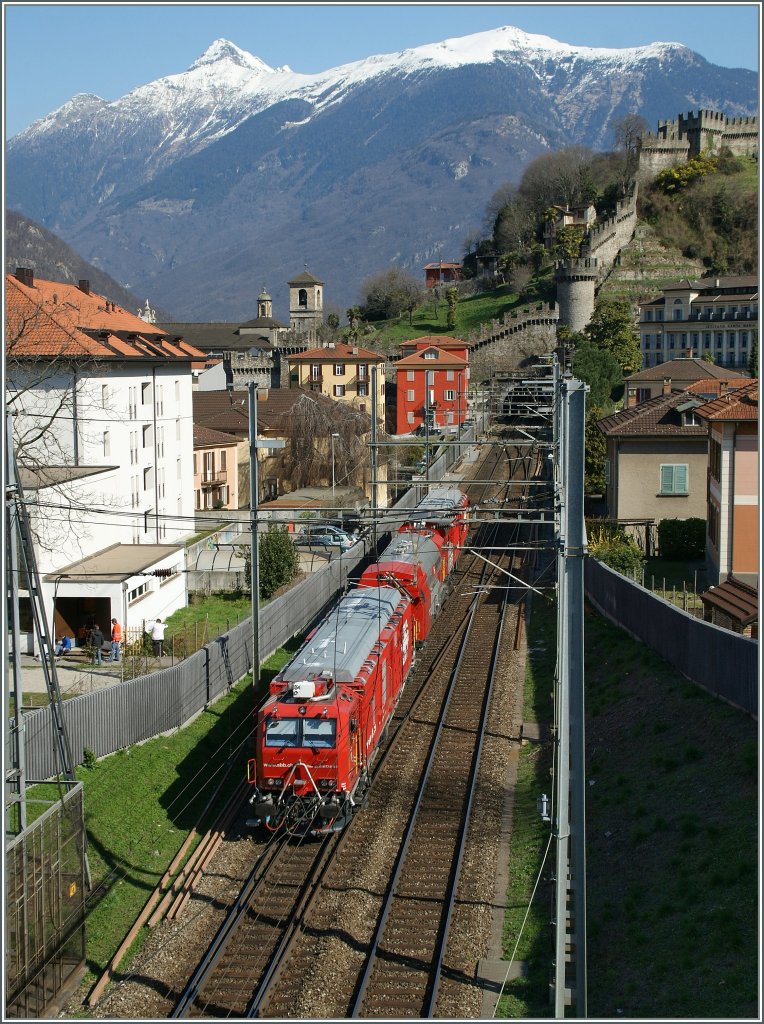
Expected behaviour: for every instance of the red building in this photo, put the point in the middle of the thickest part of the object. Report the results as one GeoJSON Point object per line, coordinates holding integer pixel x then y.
{"type": "Point", "coordinates": [438, 365]}
{"type": "Point", "coordinates": [442, 273]}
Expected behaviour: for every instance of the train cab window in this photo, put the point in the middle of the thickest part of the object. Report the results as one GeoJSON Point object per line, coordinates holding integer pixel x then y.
{"type": "Point", "coordinates": [282, 732]}
{"type": "Point", "coordinates": [319, 732]}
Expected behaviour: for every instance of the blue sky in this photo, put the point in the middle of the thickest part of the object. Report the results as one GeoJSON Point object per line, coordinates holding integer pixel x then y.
{"type": "Point", "coordinates": [52, 51]}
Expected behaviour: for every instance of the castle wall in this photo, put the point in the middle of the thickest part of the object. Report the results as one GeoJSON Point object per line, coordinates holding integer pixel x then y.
{"type": "Point", "coordinates": [680, 140]}
{"type": "Point", "coordinates": [576, 280]}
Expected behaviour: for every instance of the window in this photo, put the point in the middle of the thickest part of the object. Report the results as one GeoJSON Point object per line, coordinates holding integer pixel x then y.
{"type": "Point", "coordinates": [674, 479]}
{"type": "Point", "coordinates": [719, 339]}
{"type": "Point", "coordinates": [147, 442]}
{"type": "Point", "coordinates": [132, 403]}
{"type": "Point", "coordinates": [363, 390]}
{"type": "Point", "coordinates": [106, 443]}
{"type": "Point", "coordinates": [715, 453]}
{"type": "Point", "coordinates": [179, 470]}
{"type": "Point", "coordinates": [209, 465]}
{"type": "Point", "coordinates": [282, 732]}
{"type": "Point", "coordinates": [145, 394]}
{"type": "Point", "coordinates": [451, 418]}
{"type": "Point", "coordinates": [363, 371]}
{"type": "Point", "coordinates": [449, 396]}
{"type": "Point", "coordinates": [607, 471]}
{"type": "Point", "coordinates": [160, 446]}
{"type": "Point", "coordinates": [410, 395]}
{"type": "Point", "coordinates": [198, 499]}
{"type": "Point", "coordinates": [222, 459]}
{"type": "Point", "coordinates": [315, 371]}
{"type": "Point", "coordinates": [177, 390]}
{"type": "Point", "coordinates": [195, 469]}
{"type": "Point", "coordinates": [302, 298]}
{"type": "Point", "coordinates": [319, 732]}
{"type": "Point", "coordinates": [177, 430]}
{"type": "Point", "coordinates": [706, 340]}
{"type": "Point", "coordinates": [431, 398]}
{"type": "Point", "coordinates": [409, 374]}
{"type": "Point", "coordinates": [409, 417]}
{"type": "Point", "coordinates": [646, 339]}
{"type": "Point", "coordinates": [160, 400]}
{"type": "Point", "coordinates": [339, 369]}
{"type": "Point", "coordinates": [449, 374]}
{"type": "Point", "coordinates": [148, 479]}
{"type": "Point", "coordinates": [648, 315]}
{"type": "Point", "coordinates": [691, 419]}
{"type": "Point", "coordinates": [133, 595]}
{"type": "Point", "coordinates": [659, 314]}
{"type": "Point", "coordinates": [104, 395]}
{"type": "Point", "coordinates": [431, 354]}
{"type": "Point", "coordinates": [339, 390]}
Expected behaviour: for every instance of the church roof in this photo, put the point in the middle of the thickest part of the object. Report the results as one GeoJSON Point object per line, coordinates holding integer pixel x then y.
{"type": "Point", "coordinates": [304, 278]}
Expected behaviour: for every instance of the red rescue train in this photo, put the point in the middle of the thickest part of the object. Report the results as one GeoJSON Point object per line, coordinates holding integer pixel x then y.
{"type": "Point", "coordinates": [329, 708]}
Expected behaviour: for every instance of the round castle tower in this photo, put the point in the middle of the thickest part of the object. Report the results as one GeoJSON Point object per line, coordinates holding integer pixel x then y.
{"type": "Point", "coordinates": [576, 280]}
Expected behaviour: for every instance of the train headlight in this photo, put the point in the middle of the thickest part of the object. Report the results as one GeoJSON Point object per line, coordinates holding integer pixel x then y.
{"type": "Point", "coordinates": [327, 783]}
{"type": "Point", "coordinates": [274, 783]}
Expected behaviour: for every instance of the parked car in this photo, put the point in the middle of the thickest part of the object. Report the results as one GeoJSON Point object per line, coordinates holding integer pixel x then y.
{"type": "Point", "coordinates": [324, 537]}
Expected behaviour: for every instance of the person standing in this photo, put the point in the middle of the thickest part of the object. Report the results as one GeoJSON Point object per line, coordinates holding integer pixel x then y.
{"type": "Point", "coordinates": [96, 642]}
{"type": "Point", "coordinates": [116, 640]}
{"type": "Point", "coordinates": [157, 635]}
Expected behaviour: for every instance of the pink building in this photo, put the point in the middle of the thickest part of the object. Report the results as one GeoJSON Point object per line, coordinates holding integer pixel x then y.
{"type": "Point", "coordinates": [216, 483]}
{"type": "Point", "coordinates": [732, 539]}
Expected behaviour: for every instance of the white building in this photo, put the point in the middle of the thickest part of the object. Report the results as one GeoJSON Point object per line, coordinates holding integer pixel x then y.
{"type": "Point", "coordinates": [713, 316]}
{"type": "Point", "coordinates": [103, 433]}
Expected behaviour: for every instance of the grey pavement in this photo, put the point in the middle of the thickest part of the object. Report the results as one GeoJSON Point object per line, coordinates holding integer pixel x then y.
{"type": "Point", "coordinates": [76, 675]}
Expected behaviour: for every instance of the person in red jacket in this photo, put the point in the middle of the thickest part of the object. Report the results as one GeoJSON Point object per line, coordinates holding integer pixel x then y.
{"type": "Point", "coordinates": [116, 640]}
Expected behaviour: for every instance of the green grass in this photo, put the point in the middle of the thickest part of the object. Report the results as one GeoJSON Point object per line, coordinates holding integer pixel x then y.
{"type": "Point", "coordinates": [671, 839]}
{"type": "Point", "coordinates": [672, 844]}
{"type": "Point", "coordinates": [141, 803]}
{"type": "Point", "coordinates": [220, 611]}
{"type": "Point", "coordinates": [471, 312]}
{"type": "Point", "coordinates": [529, 996]}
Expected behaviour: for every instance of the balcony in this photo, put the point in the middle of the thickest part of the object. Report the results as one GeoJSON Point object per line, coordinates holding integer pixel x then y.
{"type": "Point", "coordinates": [214, 479]}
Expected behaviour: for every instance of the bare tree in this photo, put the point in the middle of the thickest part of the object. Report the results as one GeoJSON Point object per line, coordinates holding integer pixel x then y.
{"type": "Point", "coordinates": [308, 428]}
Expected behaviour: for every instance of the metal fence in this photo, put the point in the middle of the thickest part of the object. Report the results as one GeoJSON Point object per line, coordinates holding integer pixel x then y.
{"type": "Point", "coordinates": [722, 662]}
{"type": "Point", "coordinates": [137, 709]}
{"type": "Point", "coordinates": [44, 908]}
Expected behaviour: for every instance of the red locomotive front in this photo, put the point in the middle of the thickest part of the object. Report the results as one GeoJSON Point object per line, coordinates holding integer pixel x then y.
{"type": "Point", "coordinates": [318, 732]}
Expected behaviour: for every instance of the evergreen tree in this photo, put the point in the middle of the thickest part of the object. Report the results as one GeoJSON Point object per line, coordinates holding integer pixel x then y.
{"type": "Point", "coordinates": [753, 361]}
{"type": "Point", "coordinates": [612, 328]}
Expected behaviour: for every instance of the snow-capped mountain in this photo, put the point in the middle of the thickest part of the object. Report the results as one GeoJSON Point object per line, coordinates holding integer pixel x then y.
{"type": "Point", "coordinates": [233, 164]}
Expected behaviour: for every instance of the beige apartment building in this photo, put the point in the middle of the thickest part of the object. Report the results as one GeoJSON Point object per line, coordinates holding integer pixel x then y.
{"type": "Point", "coordinates": [341, 372]}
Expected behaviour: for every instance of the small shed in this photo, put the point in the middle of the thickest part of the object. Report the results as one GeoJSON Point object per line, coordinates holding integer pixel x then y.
{"type": "Point", "coordinates": [734, 605]}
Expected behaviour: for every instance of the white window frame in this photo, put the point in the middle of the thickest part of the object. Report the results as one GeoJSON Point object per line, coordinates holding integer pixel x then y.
{"type": "Point", "coordinates": [339, 391]}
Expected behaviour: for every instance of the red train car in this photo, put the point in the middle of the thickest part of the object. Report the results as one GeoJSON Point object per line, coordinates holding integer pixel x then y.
{"type": "Point", "coordinates": [328, 709]}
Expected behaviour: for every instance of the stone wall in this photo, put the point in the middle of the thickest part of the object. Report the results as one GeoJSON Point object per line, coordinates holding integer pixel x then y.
{"type": "Point", "coordinates": [685, 137]}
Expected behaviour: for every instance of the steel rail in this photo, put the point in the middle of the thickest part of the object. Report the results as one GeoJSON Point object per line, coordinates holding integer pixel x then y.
{"type": "Point", "coordinates": [409, 830]}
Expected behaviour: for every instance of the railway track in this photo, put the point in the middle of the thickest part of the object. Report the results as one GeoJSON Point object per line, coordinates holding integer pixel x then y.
{"type": "Point", "coordinates": [255, 966]}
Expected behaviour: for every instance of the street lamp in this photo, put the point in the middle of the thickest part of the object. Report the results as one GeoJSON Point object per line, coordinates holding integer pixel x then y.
{"type": "Point", "coordinates": [333, 437]}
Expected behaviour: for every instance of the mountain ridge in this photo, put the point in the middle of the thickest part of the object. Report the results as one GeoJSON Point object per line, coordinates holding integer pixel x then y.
{"type": "Point", "coordinates": [187, 188]}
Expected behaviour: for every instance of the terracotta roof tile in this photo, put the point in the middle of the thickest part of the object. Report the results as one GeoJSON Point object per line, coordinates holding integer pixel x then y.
{"type": "Point", "coordinates": [444, 361]}
{"type": "Point", "coordinates": [656, 417]}
{"type": "Point", "coordinates": [205, 437]}
{"type": "Point", "coordinates": [340, 351]}
{"type": "Point", "coordinates": [742, 404]}
{"type": "Point", "coordinates": [53, 318]}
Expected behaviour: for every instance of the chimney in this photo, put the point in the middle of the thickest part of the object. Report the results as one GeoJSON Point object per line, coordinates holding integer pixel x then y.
{"type": "Point", "coordinates": [25, 275]}
{"type": "Point", "coordinates": [84, 285]}
{"type": "Point", "coordinates": [631, 397]}
{"type": "Point", "coordinates": [261, 394]}
{"type": "Point", "coordinates": [667, 385]}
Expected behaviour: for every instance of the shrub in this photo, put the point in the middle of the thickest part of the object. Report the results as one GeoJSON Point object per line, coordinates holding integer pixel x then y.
{"type": "Point", "coordinates": [622, 555]}
{"type": "Point", "coordinates": [279, 560]}
{"type": "Point", "coordinates": [681, 539]}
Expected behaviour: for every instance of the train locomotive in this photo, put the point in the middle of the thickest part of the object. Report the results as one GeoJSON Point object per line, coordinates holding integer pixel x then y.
{"type": "Point", "coordinates": [328, 709]}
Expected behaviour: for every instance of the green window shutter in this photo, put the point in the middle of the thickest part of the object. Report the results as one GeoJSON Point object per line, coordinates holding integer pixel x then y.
{"type": "Point", "coordinates": [667, 479]}
{"type": "Point", "coordinates": [680, 479]}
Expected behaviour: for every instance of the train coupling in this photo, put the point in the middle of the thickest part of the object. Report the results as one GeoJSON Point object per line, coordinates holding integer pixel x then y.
{"type": "Point", "coordinates": [329, 809]}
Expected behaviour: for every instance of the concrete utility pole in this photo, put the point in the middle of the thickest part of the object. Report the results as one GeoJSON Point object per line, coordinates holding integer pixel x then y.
{"type": "Point", "coordinates": [570, 811]}
{"type": "Point", "coordinates": [254, 575]}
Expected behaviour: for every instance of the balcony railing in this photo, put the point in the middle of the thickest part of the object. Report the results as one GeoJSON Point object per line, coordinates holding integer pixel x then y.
{"type": "Point", "coordinates": [214, 479]}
